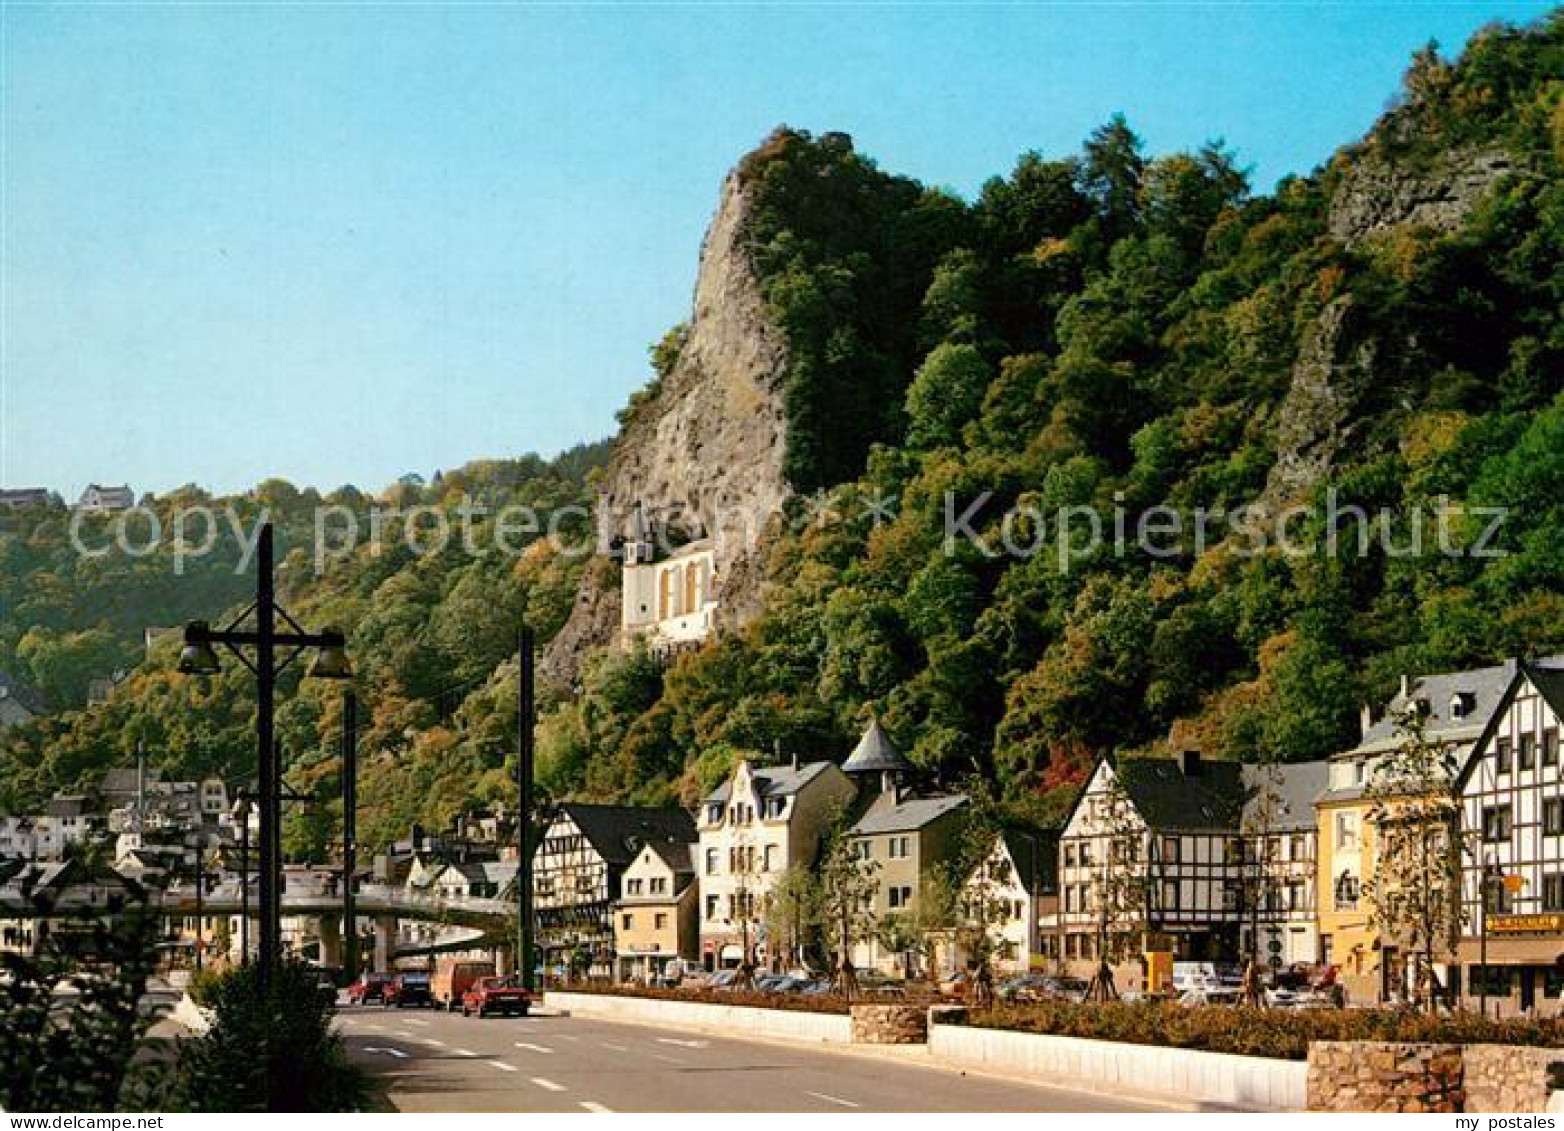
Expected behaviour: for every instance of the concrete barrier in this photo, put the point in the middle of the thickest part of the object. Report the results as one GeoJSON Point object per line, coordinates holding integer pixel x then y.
{"type": "Point", "coordinates": [1251, 1083]}
{"type": "Point", "coordinates": [700, 1017]}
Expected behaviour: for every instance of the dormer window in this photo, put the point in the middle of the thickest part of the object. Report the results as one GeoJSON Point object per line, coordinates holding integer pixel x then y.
{"type": "Point", "coordinates": [714, 813]}
{"type": "Point", "coordinates": [1461, 704]}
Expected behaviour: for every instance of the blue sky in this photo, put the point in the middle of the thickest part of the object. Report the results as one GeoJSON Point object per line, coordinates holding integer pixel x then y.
{"type": "Point", "coordinates": [338, 243]}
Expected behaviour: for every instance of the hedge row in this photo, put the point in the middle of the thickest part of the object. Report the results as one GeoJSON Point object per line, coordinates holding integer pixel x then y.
{"type": "Point", "coordinates": [1280, 1033]}
{"type": "Point", "coordinates": [798, 1003]}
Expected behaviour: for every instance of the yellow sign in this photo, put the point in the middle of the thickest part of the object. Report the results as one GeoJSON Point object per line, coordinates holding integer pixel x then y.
{"type": "Point", "coordinates": [1552, 924]}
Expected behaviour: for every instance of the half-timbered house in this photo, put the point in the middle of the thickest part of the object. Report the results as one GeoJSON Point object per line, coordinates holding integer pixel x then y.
{"type": "Point", "coordinates": [576, 873]}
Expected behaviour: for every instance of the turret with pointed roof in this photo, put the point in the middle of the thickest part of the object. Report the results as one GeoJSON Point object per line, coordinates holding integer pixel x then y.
{"type": "Point", "coordinates": [877, 754]}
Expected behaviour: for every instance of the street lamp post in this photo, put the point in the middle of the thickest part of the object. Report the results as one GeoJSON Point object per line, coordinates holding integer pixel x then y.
{"type": "Point", "coordinates": [349, 833]}
{"type": "Point", "coordinates": [525, 717]}
{"type": "Point", "coordinates": [331, 662]}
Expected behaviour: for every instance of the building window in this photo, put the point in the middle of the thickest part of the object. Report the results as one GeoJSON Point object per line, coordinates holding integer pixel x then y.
{"type": "Point", "coordinates": [1346, 892]}
{"type": "Point", "coordinates": [711, 861]}
{"type": "Point", "coordinates": [900, 897]}
{"type": "Point", "coordinates": [711, 907]}
{"type": "Point", "coordinates": [1086, 854]}
{"type": "Point", "coordinates": [1232, 895]}
{"type": "Point", "coordinates": [1170, 849]}
{"type": "Point", "coordinates": [771, 858]}
{"type": "Point", "coordinates": [714, 813]}
{"type": "Point", "coordinates": [863, 850]}
{"type": "Point", "coordinates": [1170, 895]}
{"type": "Point", "coordinates": [1069, 899]}
{"type": "Point", "coordinates": [1295, 896]}
{"type": "Point", "coordinates": [1553, 892]}
{"type": "Point", "coordinates": [1299, 848]}
{"type": "Point", "coordinates": [1526, 757]}
{"type": "Point", "coordinates": [1553, 816]}
{"type": "Point", "coordinates": [900, 848]}
{"type": "Point", "coordinates": [1069, 856]}
{"type": "Point", "coordinates": [1347, 831]}
{"type": "Point", "coordinates": [633, 887]}
{"type": "Point", "coordinates": [660, 921]}
{"type": "Point", "coordinates": [1496, 823]}
{"type": "Point", "coordinates": [1550, 747]}
{"type": "Point", "coordinates": [1501, 756]}
{"type": "Point", "coordinates": [774, 806]}
{"type": "Point", "coordinates": [659, 885]}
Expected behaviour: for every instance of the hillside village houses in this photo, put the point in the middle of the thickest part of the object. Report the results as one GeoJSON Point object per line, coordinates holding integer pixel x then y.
{"type": "Point", "coordinates": [657, 918]}
{"type": "Point", "coordinates": [752, 828]}
{"type": "Point", "coordinates": [1192, 858]}
{"type": "Point", "coordinates": [19, 703]}
{"type": "Point", "coordinates": [1512, 883]}
{"type": "Point", "coordinates": [577, 869]}
{"type": "Point", "coordinates": [1454, 708]}
{"type": "Point", "coordinates": [97, 498]}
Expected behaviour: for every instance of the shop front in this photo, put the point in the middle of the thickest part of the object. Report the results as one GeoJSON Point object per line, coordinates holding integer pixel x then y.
{"type": "Point", "coordinates": [1517, 966]}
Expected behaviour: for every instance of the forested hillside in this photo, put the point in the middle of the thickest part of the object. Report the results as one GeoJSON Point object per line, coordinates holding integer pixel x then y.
{"type": "Point", "coordinates": [1104, 330]}
{"type": "Point", "coordinates": [432, 638]}
{"type": "Point", "coordinates": [1111, 330]}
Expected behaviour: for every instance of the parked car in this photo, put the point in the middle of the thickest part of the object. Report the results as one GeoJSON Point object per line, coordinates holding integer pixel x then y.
{"type": "Point", "coordinates": [326, 988]}
{"type": "Point", "coordinates": [453, 977]}
{"type": "Point", "coordinates": [497, 995]}
{"type": "Point", "coordinates": [368, 988]}
{"type": "Point", "coordinates": [408, 989]}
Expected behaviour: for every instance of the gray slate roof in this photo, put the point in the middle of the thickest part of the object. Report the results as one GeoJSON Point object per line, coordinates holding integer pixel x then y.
{"type": "Point", "coordinates": [1484, 686]}
{"type": "Point", "coordinates": [674, 854]}
{"type": "Point", "coordinates": [618, 832]}
{"type": "Point", "coordinates": [1167, 798]}
{"type": "Point", "coordinates": [13, 687]}
{"type": "Point", "coordinates": [907, 815]}
{"type": "Point", "coordinates": [776, 781]}
{"type": "Point", "coordinates": [1295, 786]}
{"type": "Point", "coordinates": [875, 753]}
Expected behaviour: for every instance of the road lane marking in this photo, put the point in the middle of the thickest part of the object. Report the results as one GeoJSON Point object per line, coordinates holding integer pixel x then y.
{"type": "Point", "coordinates": [502, 1066]}
{"type": "Point", "coordinates": [435, 1043]}
{"type": "Point", "coordinates": [682, 1044]}
{"type": "Point", "coordinates": [568, 1037]}
{"type": "Point", "coordinates": [614, 1047]}
{"type": "Point", "coordinates": [547, 1085]}
{"type": "Point", "coordinates": [832, 1099]}
{"type": "Point", "coordinates": [533, 1048]}
{"type": "Point", "coordinates": [403, 1033]}
{"type": "Point", "coordinates": [593, 1105]}
{"type": "Point", "coordinates": [669, 1059]}
{"type": "Point", "coordinates": [398, 1053]}
{"type": "Point", "coordinates": [419, 1021]}
{"type": "Point", "coordinates": [464, 1052]}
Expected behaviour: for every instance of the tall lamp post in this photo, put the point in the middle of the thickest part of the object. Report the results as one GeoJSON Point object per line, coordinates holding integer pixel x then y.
{"type": "Point", "coordinates": [331, 662]}
{"type": "Point", "coordinates": [526, 711]}
{"type": "Point", "coordinates": [349, 833]}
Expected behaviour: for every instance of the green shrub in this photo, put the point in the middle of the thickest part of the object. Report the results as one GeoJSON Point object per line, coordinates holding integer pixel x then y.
{"type": "Point", "coordinates": [75, 1046]}
{"type": "Point", "coordinates": [272, 1051]}
{"type": "Point", "coordinates": [1281, 1033]}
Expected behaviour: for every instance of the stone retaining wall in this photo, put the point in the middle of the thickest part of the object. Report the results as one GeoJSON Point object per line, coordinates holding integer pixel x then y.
{"type": "Point", "coordinates": [1511, 1078]}
{"type": "Point", "coordinates": [1384, 1076]}
{"type": "Point", "coordinates": [880, 1024]}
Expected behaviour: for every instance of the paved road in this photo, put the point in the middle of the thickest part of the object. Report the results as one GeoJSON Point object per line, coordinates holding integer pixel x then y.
{"type": "Point", "coordinates": [444, 1062]}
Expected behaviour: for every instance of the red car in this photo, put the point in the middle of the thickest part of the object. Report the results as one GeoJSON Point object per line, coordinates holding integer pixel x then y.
{"type": "Point", "coordinates": [368, 988]}
{"type": "Point", "coordinates": [497, 995]}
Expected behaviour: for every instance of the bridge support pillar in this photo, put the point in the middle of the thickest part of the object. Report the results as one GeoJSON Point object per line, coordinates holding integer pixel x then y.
{"type": "Point", "coordinates": [331, 942]}
{"type": "Point", "coordinates": [385, 939]}
{"type": "Point", "coordinates": [502, 962]}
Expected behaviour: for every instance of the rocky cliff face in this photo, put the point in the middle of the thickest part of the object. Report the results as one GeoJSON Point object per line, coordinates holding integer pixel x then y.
{"type": "Point", "coordinates": [1375, 196]}
{"type": "Point", "coordinates": [703, 454]}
